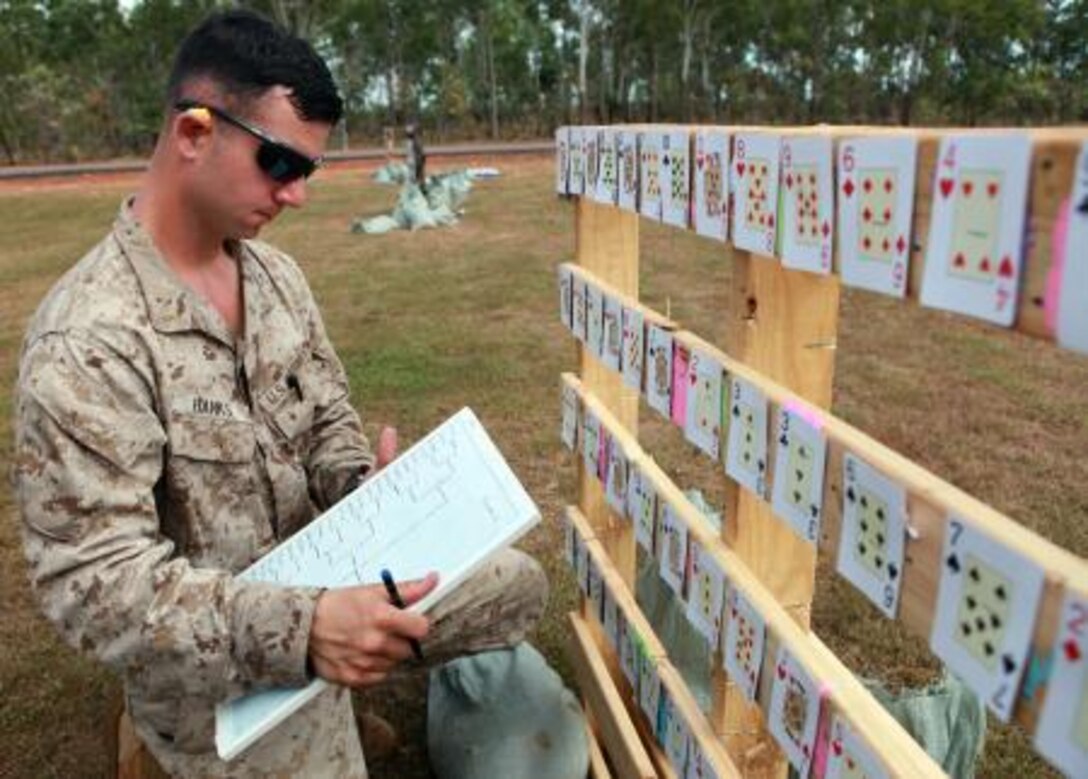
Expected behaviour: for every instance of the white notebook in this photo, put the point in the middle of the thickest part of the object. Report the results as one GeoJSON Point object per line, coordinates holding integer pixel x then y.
{"type": "Point", "coordinates": [445, 505]}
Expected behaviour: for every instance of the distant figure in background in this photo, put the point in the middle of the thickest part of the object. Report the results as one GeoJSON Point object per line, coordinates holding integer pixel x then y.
{"type": "Point", "coordinates": [417, 160]}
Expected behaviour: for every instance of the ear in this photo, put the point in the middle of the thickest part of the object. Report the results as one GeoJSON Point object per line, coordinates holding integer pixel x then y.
{"type": "Point", "coordinates": [193, 130]}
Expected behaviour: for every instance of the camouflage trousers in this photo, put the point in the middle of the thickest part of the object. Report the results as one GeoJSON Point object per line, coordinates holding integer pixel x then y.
{"type": "Point", "coordinates": [495, 608]}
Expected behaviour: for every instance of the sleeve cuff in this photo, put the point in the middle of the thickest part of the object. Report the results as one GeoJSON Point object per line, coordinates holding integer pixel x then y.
{"type": "Point", "coordinates": [272, 639]}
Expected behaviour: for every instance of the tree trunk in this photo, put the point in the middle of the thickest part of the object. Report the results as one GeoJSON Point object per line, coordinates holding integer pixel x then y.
{"type": "Point", "coordinates": [583, 58]}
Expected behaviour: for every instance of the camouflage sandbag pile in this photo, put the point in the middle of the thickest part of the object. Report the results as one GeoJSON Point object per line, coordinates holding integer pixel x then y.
{"type": "Point", "coordinates": [440, 205]}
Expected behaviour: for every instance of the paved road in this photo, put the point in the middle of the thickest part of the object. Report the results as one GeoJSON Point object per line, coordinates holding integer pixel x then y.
{"type": "Point", "coordinates": [351, 155]}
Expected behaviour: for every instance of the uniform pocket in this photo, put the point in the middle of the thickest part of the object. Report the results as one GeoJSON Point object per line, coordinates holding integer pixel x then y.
{"type": "Point", "coordinates": [290, 403]}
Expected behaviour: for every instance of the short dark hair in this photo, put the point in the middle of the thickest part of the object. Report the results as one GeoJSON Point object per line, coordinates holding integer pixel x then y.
{"type": "Point", "coordinates": [246, 54]}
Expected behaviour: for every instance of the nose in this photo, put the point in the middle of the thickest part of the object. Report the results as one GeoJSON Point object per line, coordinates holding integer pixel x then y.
{"type": "Point", "coordinates": [292, 194]}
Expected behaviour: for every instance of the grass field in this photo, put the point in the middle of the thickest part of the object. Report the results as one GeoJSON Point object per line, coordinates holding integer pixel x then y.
{"type": "Point", "coordinates": [426, 323]}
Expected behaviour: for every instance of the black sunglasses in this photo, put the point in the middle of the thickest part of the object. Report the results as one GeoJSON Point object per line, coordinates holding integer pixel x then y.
{"type": "Point", "coordinates": [282, 163]}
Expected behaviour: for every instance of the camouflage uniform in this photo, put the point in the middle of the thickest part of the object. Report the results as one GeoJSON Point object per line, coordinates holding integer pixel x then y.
{"type": "Point", "coordinates": [156, 456]}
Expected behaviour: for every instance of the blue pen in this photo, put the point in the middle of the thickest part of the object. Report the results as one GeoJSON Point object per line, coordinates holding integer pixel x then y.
{"type": "Point", "coordinates": [396, 600]}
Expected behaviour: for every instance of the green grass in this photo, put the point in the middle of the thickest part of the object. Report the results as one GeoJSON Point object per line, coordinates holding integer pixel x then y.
{"type": "Point", "coordinates": [428, 322]}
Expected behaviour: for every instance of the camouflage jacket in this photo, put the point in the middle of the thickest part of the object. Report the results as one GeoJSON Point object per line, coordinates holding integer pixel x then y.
{"type": "Point", "coordinates": [156, 457]}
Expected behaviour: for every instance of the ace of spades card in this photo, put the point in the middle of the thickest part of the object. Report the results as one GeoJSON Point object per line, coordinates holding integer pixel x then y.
{"type": "Point", "coordinates": [976, 231]}
{"type": "Point", "coordinates": [1062, 731]}
{"type": "Point", "coordinates": [1071, 325]}
{"type": "Point", "coordinates": [562, 159]}
{"type": "Point", "coordinates": [848, 757]}
{"type": "Point", "coordinates": [876, 195]}
{"type": "Point", "coordinates": [706, 591]}
{"type": "Point", "coordinates": [871, 543]}
{"type": "Point", "coordinates": [649, 174]}
{"type": "Point", "coordinates": [755, 186]}
{"type": "Point", "coordinates": [702, 425]}
{"type": "Point", "coordinates": [606, 163]}
{"type": "Point", "coordinates": [632, 354]}
{"type": "Point", "coordinates": [659, 369]}
{"type": "Point", "coordinates": [578, 307]}
{"type": "Point", "coordinates": [794, 711]}
{"type": "Point", "coordinates": [676, 178]}
{"type": "Point", "coordinates": [745, 632]}
{"type": "Point", "coordinates": [807, 209]}
{"type": "Point", "coordinates": [566, 281]}
{"type": "Point", "coordinates": [571, 407]}
{"type": "Point", "coordinates": [746, 452]}
{"type": "Point", "coordinates": [986, 604]}
{"type": "Point", "coordinates": [594, 319]}
{"type": "Point", "coordinates": [642, 507]}
{"type": "Point", "coordinates": [673, 543]}
{"type": "Point", "coordinates": [611, 338]}
{"type": "Point", "coordinates": [616, 485]}
{"type": "Point", "coordinates": [797, 495]}
{"type": "Point", "coordinates": [711, 214]}
{"type": "Point", "coordinates": [577, 171]}
{"type": "Point", "coordinates": [627, 170]}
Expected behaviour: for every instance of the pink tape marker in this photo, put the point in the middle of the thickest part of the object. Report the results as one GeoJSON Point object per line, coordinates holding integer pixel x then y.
{"type": "Point", "coordinates": [823, 735]}
{"type": "Point", "coordinates": [810, 415]}
{"type": "Point", "coordinates": [1059, 236]}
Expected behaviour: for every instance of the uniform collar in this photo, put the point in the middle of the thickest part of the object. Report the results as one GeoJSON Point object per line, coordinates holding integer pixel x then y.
{"type": "Point", "coordinates": [172, 305]}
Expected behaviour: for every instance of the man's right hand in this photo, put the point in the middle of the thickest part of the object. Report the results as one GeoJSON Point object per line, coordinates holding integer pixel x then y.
{"type": "Point", "coordinates": [358, 636]}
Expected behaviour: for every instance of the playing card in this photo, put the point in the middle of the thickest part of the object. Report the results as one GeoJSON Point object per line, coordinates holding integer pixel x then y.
{"type": "Point", "coordinates": [612, 337]}
{"type": "Point", "coordinates": [610, 612]}
{"type": "Point", "coordinates": [596, 591]}
{"type": "Point", "coordinates": [633, 351]}
{"type": "Point", "coordinates": [566, 282]}
{"type": "Point", "coordinates": [873, 525]}
{"type": "Point", "coordinates": [578, 307]}
{"type": "Point", "coordinates": [797, 494]}
{"type": "Point", "coordinates": [876, 196]}
{"type": "Point", "coordinates": [616, 486]}
{"type": "Point", "coordinates": [591, 137]}
{"type": "Point", "coordinates": [594, 319]}
{"type": "Point", "coordinates": [679, 401]}
{"type": "Point", "coordinates": [1072, 318]}
{"type": "Point", "coordinates": [649, 686]}
{"type": "Point", "coordinates": [591, 441]}
{"type": "Point", "coordinates": [649, 174]}
{"type": "Point", "coordinates": [659, 369]}
{"type": "Point", "coordinates": [848, 757]}
{"type": "Point", "coordinates": [673, 545]}
{"type": "Point", "coordinates": [577, 171]}
{"type": "Point", "coordinates": [986, 606]}
{"type": "Point", "coordinates": [746, 452]}
{"type": "Point", "coordinates": [1061, 734]}
{"type": "Point", "coordinates": [755, 187]}
{"type": "Point", "coordinates": [580, 562]}
{"type": "Point", "coordinates": [562, 159]}
{"type": "Point", "coordinates": [607, 178]}
{"type": "Point", "coordinates": [676, 177]}
{"type": "Point", "coordinates": [744, 636]}
{"type": "Point", "coordinates": [706, 590]}
{"type": "Point", "coordinates": [568, 432]}
{"type": "Point", "coordinates": [699, 766]}
{"type": "Point", "coordinates": [627, 156]}
{"type": "Point", "coordinates": [711, 214]}
{"type": "Point", "coordinates": [976, 232]}
{"type": "Point", "coordinates": [642, 508]}
{"type": "Point", "coordinates": [808, 212]}
{"type": "Point", "coordinates": [702, 423]}
{"type": "Point", "coordinates": [628, 651]}
{"type": "Point", "coordinates": [604, 444]}
{"type": "Point", "coordinates": [674, 736]}
{"type": "Point", "coordinates": [794, 711]}
{"type": "Point", "coordinates": [570, 542]}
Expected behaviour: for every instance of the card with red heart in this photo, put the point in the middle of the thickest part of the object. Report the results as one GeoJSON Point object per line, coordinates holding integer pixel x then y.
{"type": "Point", "coordinates": [976, 232]}
{"type": "Point", "coordinates": [627, 170]}
{"type": "Point", "coordinates": [702, 425]}
{"type": "Point", "coordinates": [1062, 733]}
{"type": "Point", "coordinates": [808, 213]}
{"type": "Point", "coordinates": [755, 185]}
{"type": "Point", "coordinates": [848, 757]}
{"type": "Point", "coordinates": [649, 174]}
{"type": "Point", "coordinates": [876, 195]}
{"type": "Point", "coordinates": [711, 215]}
{"type": "Point", "coordinates": [745, 633]}
{"type": "Point", "coordinates": [794, 712]}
